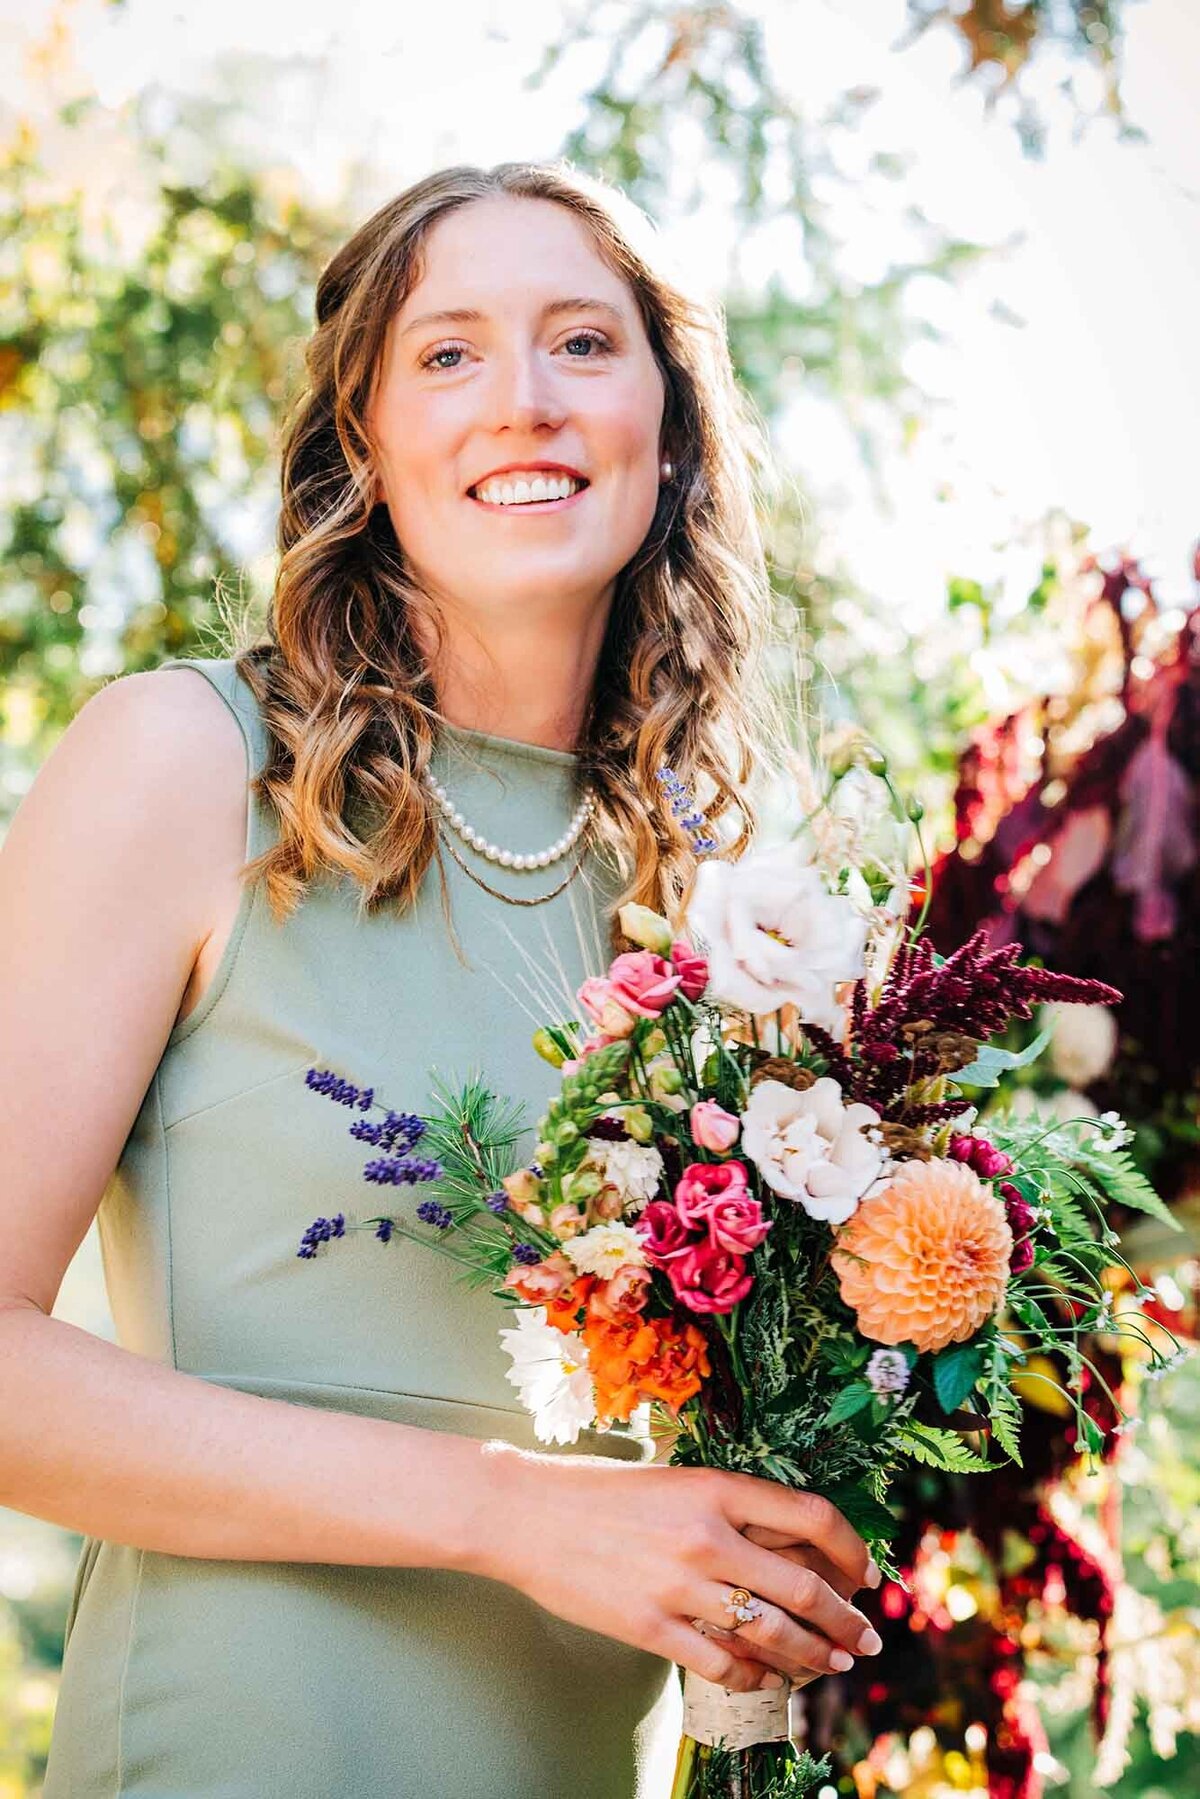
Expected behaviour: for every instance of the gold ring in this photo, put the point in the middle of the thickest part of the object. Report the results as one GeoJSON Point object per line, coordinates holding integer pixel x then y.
{"type": "Point", "coordinates": [743, 1605]}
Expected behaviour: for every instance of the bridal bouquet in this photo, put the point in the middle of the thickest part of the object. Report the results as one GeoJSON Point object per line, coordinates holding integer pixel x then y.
{"type": "Point", "coordinates": [759, 1214]}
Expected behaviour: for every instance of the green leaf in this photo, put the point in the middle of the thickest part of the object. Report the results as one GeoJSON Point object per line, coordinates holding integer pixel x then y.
{"type": "Point", "coordinates": [941, 1449]}
{"type": "Point", "coordinates": [1006, 1420]}
{"type": "Point", "coordinates": [992, 1061]}
{"type": "Point", "coordinates": [851, 1399]}
{"type": "Point", "coordinates": [1031, 1315]}
{"type": "Point", "coordinates": [1123, 1181]}
{"type": "Point", "coordinates": [869, 1516]}
{"type": "Point", "coordinates": [955, 1372]}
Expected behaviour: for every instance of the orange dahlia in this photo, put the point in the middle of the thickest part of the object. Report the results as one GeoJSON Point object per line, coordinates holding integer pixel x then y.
{"type": "Point", "coordinates": [925, 1260]}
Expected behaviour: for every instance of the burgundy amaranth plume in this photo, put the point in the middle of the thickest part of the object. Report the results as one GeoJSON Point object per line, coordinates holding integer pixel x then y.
{"type": "Point", "coordinates": [973, 994]}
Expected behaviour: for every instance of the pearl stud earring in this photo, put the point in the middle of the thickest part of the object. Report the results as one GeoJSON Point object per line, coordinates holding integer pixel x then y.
{"type": "Point", "coordinates": [666, 469]}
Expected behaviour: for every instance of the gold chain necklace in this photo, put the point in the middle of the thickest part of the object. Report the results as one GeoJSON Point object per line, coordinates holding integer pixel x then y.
{"type": "Point", "coordinates": [508, 898]}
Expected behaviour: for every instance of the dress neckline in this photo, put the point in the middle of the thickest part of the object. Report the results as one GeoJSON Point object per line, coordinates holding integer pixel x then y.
{"type": "Point", "coordinates": [466, 737]}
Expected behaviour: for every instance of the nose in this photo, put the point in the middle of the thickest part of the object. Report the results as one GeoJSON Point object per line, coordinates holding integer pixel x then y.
{"type": "Point", "coordinates": [524, 392]}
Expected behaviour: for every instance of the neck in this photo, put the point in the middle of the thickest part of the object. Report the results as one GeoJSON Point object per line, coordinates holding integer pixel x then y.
{"type": "Point", "coordinates": [529, 679]}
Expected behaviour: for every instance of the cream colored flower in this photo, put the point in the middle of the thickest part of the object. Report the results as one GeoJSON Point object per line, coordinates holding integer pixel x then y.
{"type": "Point", "coordinates": [1084, 1041]}
{"type": "Point", "coordinates": [774, 934]}
{"type": "Point", "coordinates": [605, 1248]}
{"type": "Point", "coordinates": [811, 1148]}
{"type": "Point", "coordinates": [634, 1169]}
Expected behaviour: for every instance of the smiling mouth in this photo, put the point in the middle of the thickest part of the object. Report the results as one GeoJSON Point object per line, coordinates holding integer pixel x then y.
{"type": "Point", "coordinates": [527, 493]}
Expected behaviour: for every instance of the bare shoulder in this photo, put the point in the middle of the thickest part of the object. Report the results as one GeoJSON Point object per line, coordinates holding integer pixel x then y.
{"type": "Point", "coordinates": [120, 862]}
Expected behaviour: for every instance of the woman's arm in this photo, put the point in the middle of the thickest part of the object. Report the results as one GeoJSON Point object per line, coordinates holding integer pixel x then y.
{"type": "Point", "coordinates": [109, 878]}
{"type": "Point", "coordinates": [107, 884]}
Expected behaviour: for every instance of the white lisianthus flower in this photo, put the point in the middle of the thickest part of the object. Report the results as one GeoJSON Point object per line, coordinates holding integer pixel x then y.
{"type": "Point", "coordinates": [551, 1374]}
{"type": "Point", "coordinates": [1084, 1041]}
{"type": "Point", "coordinates": [604, 1249]}
{"type": "Point", "coordinates": [774, 934]}
{"type": "Point", "coordinates": [634, 1169]}
{"type": "Point", "coordinates": [811, 1148]}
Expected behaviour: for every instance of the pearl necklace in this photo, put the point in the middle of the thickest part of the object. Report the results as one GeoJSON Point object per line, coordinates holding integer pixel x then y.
{"type": "Point", "coordinates": [510, 858]}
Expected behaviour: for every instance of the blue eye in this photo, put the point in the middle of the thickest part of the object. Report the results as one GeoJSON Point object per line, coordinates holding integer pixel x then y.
{"type": "Point", "coordinates": [430, 361]}
{"type": "Point", "coordinates": [589, 336]}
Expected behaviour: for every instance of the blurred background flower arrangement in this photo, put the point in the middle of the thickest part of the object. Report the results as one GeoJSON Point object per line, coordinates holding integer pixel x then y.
{"type": "Point", "coordinates": [951, 242]}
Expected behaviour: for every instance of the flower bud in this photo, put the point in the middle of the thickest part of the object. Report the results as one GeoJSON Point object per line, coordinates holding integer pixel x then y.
{"type": "Point", "coordinates": [638, 1123]}
{"type": "Point", "coordinates": [713, 1128]}
{"type": "Point", "coordinates": [582, 1185]}
{"type": "Point", "coordinates": [608, 1204]}
{"type": "Point", "coordinates": [547, 1048]}
{"type": "Point", "coordinates": [566, 1132]}
{"type": "Point", "coordinates": [646, 928]}
{"type": "Point", "coordinates": [615, 1021]}
{"type": "Point", "coordinates": [523, 1188]}
{"type": "Point", "coordinates": [665, 1081]}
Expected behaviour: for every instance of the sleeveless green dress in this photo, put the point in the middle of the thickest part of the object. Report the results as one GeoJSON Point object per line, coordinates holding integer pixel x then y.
{"type": "Point", "coordinates": [186, 1678]}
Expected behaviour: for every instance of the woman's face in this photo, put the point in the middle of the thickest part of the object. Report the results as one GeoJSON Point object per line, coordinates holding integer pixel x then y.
{"type": "Point", "coordinates": [546, 373]}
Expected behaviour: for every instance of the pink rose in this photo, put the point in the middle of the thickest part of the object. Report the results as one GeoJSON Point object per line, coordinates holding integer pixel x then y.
{"type": "Point", "coordinates": [623, 1296]}
{"type": "Point", "coordinates": [691, 967]}
{"type": "Point", "coordinates": [642, 982]}
{"type": "Point", "coordinates": [663, 1232]}
{"type": "Point", "coordinates": [599, 1000]}
{"type": "Point", "coordinates": [701, 1183]}
{"type": "Point", "coordinates": [706, 1279]}
{"type": "Point", "coordinates": [712, 1126]}
{"type": "Point", "coordinates": [736, 1224]}
{"type": "Point", "coordinates": [545, 1280]}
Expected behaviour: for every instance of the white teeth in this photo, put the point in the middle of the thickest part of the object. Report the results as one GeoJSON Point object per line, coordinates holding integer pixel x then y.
{"type": "Point", "coordinates": [523, 492]}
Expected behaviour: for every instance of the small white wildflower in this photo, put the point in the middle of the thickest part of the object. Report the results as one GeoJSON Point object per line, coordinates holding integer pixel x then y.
{"type": "Point", "coordinates": [1115, 1134]}
{"type": "Point", "coordinates": [887, 1372]}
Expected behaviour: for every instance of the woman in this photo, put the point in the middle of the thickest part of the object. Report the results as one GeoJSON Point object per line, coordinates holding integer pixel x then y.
{"type": "Point", "coordinates": [323, 1552]}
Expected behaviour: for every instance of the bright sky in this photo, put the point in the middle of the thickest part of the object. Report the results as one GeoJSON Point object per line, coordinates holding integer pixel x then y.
{"type": "Point", "coordinates": [1092, 405]}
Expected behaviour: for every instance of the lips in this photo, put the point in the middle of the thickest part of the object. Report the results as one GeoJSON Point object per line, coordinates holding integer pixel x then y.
{"type": "Point", "coordinates": [528, 469]}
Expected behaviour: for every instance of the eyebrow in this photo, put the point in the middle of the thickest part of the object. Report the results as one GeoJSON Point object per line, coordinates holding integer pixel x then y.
{"type": "Point", "coordinates": [468, 315]}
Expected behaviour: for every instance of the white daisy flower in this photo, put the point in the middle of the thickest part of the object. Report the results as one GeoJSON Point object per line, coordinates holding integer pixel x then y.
{"type": "Point", "coordinates": [604, 1249]}
{"type": "Point", "coordinates": [550, 1372]}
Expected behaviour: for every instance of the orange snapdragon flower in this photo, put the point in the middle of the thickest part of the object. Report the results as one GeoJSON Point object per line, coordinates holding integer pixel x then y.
{"type": "Point", "coordinates": [643, 1358]}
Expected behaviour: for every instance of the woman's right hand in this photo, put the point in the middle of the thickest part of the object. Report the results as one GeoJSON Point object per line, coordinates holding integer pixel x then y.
{"type": "Point", "coordinates": [638, 1551]}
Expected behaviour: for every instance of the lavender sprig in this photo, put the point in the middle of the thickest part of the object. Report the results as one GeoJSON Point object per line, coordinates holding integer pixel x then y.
{"type": "Point", "coordinates": [686, 811]}
{"type": "Point", "coordinates": [320, 1231]}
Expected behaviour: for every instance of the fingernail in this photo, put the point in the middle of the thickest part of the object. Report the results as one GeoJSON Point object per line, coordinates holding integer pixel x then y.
{"type": "Point", "coordinates": [873, 1575]}
{"type": "Point", "coordinates": [870, 1642]}
{"type": "Point", "coordinates": [771, 1680]}
{"type": "Point", "coordinates": [842, 1660]}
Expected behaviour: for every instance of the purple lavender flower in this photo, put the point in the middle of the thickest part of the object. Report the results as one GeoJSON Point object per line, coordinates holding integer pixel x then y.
{"type": "Point", "coordinates": [497, 1202]}
{"type": "Point", "coordinates": [384, 1229]}
{"type": "Point", "coordinates": [430, 1211]}
{"type": "Point", "coordinates": [343, 1093]}
{"type": "Point", "coordinates": [402, 1171]}
{"type": "Point", "coordinates": [685, 809]}
{"type": "Point", "coordinates": [526, 1254]}
{"type": "Point", "coordinates": [320, 1231]}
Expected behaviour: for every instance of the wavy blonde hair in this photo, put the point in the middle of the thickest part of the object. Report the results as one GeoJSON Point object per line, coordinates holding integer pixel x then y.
{"type": "Point", "coordinates": [344, 690]}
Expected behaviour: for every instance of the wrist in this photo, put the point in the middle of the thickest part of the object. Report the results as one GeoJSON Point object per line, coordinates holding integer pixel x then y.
{"type": "Point", "coordinates": [495, 1513]}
